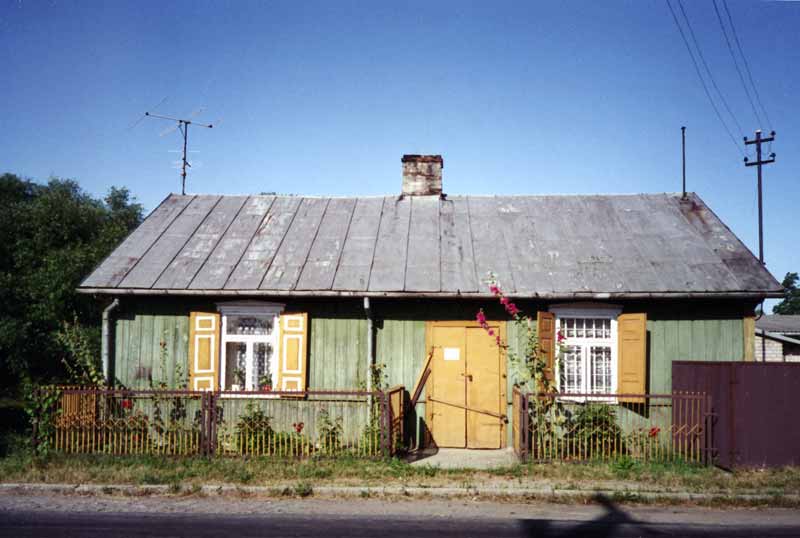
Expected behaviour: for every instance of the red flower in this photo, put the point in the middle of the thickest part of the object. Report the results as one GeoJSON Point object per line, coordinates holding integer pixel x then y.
{"type": "Point", "coordinates": [561, 337]}
{"type": "Point", "coordinates": [654, 431]}
{"type": "Point", "coordinates": [127, 404]}
{"type": "Point", "coordinates": [498, 339]}
{"type": "Point", "coordinates": [298, 426]}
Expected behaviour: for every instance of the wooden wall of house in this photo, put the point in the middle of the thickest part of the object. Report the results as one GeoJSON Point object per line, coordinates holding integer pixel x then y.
{"type": "Point", "coordinates": [147, 345]}
{"type": "Point", "coordinates": [338, 339]}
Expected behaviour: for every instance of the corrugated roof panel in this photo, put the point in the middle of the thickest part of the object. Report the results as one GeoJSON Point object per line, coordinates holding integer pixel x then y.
{"type": "Point", "coordinates": [188, 262]}
{"type": "Point", "coordinates": [391, 249]}
{"type": "Point", "coordinates": [229, 250]}
{"type": "Point", "coordinates": [258, 255]}
{"type": "Point", "coordinates": [320, 268]}
{"type": "Point", "coordinates": [487, 242]}
{"type": "Point", "coordinates": [355, 263]}
{"type": "Point", "coordinates": [458, 261]}
{"type": "Point", "coordinates": [295, 246]}
{"type": "Point", "coordinates": [114, 268]}
{"type": "Point", "coordinates": [147, 270]}
{"type": "Point", "coordinates": [423, 263]}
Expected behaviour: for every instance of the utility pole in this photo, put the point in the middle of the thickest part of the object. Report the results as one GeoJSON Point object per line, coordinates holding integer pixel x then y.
{"type": "Point", "coordinates": [759, 162]}
{"type": "Point", "coordinates": [183, 125]}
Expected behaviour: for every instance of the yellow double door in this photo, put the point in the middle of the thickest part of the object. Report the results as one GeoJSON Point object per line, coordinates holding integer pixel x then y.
{"type": "Point", "coordinates": [466, 395]}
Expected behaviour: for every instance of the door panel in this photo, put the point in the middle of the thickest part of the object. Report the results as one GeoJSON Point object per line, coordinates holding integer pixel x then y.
{"type": "Point", "coordinates": [483, 390]}
{"type": "Point", "coordinates": [449, 421]}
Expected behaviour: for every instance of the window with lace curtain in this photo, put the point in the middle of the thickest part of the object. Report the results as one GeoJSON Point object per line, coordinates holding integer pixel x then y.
{"type": "Point", "coordinates": [249, 341]}
{"type": "Point", "coordinates": [588, 361]}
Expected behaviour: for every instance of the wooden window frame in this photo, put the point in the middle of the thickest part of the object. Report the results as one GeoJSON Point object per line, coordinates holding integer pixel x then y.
{"type": "Point", "coordinates": [254, 309]}
{"type": "Point", "coordinates": [588, 311]}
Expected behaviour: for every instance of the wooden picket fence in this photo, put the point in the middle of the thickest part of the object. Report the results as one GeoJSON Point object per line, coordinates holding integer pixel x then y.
{"type": "Point", "coordinates": [181, 422]}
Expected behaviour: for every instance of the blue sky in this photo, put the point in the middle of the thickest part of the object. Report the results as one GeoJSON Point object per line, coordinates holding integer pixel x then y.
{"type": "Point", "coordinates": [325, 97]}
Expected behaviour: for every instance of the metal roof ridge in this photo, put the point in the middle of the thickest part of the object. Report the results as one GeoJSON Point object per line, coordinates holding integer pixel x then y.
{"type": "Point", "coordinates": [444, 197]}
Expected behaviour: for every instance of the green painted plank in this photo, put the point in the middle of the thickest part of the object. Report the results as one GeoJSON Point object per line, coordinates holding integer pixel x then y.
{"type": "Point", "coordinates": [685, 340]}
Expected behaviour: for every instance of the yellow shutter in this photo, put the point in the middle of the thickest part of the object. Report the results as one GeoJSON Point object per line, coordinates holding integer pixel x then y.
{"type": "Point", "coordinates": [546, 333]}
{"type": "Point", "coordinates": [292, 363]}
{"type": "Point", "coordinates": [204, 350]}
{"type": "Point", "coordinates": [632, 335]}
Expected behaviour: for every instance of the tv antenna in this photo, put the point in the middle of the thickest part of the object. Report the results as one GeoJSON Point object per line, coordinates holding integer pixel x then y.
{"type": "Point", "coordinates": [183, 126]}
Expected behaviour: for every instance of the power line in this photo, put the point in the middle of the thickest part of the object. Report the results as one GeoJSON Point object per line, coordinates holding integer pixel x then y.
{"type": "Point", "coordinates": [708, 70]}
{"type": "Point", "coordinates": [702, 80]}
{"type": "Point", "coordinates": [746, 65]}
{"type": "Point", "coordinates": [735, 62]}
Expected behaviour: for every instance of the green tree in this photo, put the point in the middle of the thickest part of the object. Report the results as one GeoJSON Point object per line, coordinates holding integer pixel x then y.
{"type": "Point", "coordinates": [51, 237]}
{"type": "Point", "coordinates": [791, 296]}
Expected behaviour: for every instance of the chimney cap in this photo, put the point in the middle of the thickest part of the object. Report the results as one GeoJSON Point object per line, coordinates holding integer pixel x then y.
{"type": "Point", "coordinates": [413, 158]}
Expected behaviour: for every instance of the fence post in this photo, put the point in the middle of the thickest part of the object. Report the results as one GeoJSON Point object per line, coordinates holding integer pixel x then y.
{"type": "Point", "coordinates": [385, 423]}
{"type": "Point", "coordinates": [709, 433]}
{"type": "Point", "coordinates": [212, 448]}
{"type": "Point", "coordinates": [525, 424]}
{"type": "Point", "coordinates": [203, 424]}
{"type": "Point", "coordinates": [206, 423]}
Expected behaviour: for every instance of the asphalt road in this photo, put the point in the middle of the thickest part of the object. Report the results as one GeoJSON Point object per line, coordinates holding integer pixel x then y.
{"type": "Point", "coordinates": [60, 525]}
{"type": "Point", "coordinates": [92, 517]}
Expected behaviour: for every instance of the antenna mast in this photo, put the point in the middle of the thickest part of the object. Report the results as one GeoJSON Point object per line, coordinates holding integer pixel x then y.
{"type": "Point", "coordinates": [183, 125]}
{"type": "Point", "coordinates": [683, 154]}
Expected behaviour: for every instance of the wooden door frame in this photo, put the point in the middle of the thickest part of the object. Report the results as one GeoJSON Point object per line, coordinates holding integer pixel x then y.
{"type": "Point", "coordinates": [500, 328]}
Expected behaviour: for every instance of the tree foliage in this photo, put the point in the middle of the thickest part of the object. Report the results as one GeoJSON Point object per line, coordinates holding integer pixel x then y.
{"type": "Point", "coordinates": [51, 236]}
{"type": "Point", "coordinates": [791, 296]}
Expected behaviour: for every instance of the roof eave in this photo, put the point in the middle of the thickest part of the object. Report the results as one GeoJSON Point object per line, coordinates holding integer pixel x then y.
{"type": "Point", "coordinates": [756, 294]}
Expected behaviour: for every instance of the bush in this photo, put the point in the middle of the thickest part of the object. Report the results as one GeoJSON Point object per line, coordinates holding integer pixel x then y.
{"type": "Point", "coordinates": [594, 427]}
{"type": "Point", "coordinates": [254, 431]}
{"type": "Point", "coordinates": [329, 431]}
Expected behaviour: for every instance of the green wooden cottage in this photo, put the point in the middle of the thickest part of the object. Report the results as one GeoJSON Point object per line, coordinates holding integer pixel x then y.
{"type": "Point", "coordinates": [296, 293]}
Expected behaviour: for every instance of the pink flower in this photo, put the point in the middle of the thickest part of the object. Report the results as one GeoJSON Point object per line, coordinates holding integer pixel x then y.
{"type": "Point", "coordinates": [504, 300]}
{"type": "Point", "coordinates": [481, 317]}
{"type": "Point", "coordinates": [494, 289]}
{"type": "Point", "coordinates": [491, 332]}
{"type": "Point", "coordinates": [561, 336]}
{"type": "Point", "coordinates": [512, 309]}
{"type": "Point", "coordinates": [498, 339]}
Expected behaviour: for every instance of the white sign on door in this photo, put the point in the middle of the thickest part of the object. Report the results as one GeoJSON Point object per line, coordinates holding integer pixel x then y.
{"type": "Point", "coordinates": [452, 353]}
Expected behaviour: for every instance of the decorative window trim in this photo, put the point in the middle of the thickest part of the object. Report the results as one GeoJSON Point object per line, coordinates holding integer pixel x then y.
{"type": "Point", "coordinates": [255, 309]}
{"type": "Point", "coordinates": [588, 310]}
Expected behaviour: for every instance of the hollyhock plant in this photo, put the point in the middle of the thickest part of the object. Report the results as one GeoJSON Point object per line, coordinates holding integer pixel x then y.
{"type": "Point", "coordinates": [526, 356]}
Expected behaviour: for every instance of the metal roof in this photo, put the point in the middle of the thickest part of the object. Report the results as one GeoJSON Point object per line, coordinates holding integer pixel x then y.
{"type": "Point", "coordinates": [777, 323]}
{"type": "Point", "coordinates": [559, 246]}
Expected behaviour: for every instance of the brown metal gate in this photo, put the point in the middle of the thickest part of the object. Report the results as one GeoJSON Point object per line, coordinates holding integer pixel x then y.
{"type": "Point", "coordinates": [754, 409]}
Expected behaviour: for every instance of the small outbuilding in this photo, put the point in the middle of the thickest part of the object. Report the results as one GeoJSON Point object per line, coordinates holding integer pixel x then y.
{"type": "Point", "coordinates": [778, 338]}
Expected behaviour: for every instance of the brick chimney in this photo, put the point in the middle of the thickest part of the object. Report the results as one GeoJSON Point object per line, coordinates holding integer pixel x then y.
{"type": "Point", "coordinates": [422, 175]}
